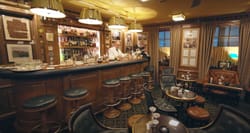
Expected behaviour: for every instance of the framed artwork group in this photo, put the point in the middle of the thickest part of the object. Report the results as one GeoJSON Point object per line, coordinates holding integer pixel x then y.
{"type": "Point", "coordinates": [17, 29]}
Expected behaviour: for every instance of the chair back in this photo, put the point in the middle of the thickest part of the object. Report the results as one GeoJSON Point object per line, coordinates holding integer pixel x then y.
{"type": "Point", "coordinates": [167, 71]}
{"type": "Point", "coordinates": [229, 120]}
{"type": "Point", "coordinates": [166, 81]}
{"type": "Point", "coordinates": [149, 98]}
{"type": "Point", "coordinates": [83, 121]}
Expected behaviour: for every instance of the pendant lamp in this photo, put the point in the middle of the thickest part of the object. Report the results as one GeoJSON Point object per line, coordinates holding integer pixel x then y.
{"type": "Point", "coordinates": [48, 8]}
{"type": "Point", "coordinates": [90, 16]}
{"type": "Point", "coordinates": [135, 27]}
{"type": "Point", "coordinates": [117, 23]}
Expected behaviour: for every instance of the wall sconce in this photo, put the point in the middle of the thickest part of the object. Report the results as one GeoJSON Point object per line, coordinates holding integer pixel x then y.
{"type": "Point", "coordinates": [90, 16]}
{"type": "Point", "coordinates": [178, 17]}
{"type": "Point", "coordinates": [117, 23]}
{"type": "Point", "coordinates": [48, 8]}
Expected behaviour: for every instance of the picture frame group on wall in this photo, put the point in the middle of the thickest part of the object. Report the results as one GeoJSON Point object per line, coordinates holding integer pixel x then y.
{"type": "Point", "coordinates": [16, 28]}
{"type": "Point", "coordinates": [19, 52]}
{"type": "Point", "coordinates": [190, 45]}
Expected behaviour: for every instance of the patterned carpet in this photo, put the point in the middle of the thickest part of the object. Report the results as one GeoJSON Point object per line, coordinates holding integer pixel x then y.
{"type": "Point", "coordinates": [121, 121]}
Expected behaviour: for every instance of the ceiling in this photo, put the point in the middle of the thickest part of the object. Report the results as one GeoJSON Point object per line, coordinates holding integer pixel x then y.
{"type": "Point", "coordinates": [158, 11]}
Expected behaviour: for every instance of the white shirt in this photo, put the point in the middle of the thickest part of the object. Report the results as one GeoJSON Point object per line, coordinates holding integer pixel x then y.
{"type": "Point", "coordinates": [113, 53]}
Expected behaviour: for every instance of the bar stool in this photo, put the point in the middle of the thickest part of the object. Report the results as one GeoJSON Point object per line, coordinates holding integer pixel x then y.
{"type": "Point", "coordinates": [73, 95]}
{"type": "Point", "coordinates": [137, 82]}
{"type": "Point", "coordinates": [41, 104]}
{"type": "Point", "coordinates": [112, 98]}
{"type": "Point", "coordinates": [125, 83]}
{"type": "Point", "coordinates": [146, 76]}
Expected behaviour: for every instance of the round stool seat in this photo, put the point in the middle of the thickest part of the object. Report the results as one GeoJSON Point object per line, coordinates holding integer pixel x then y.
{"type": "Point", "coordinates": [132, 119]}
{"type": "Point", "coordinates": [200, 99]}
{"type": "Point", "coordinates": [145, 73]}
{"type": "Point", "coordinates": [75, 93]}
{"type": "Point", "coordinates": [111, 82]}
{"type": "Point", "coordinates": [126, 78]}
{"type": "Point", "coordinates": [198, 113]}
{"type": "Point", "coordinates": [135, 76]}
{"type": "Point", "coordinates": [43, 101]}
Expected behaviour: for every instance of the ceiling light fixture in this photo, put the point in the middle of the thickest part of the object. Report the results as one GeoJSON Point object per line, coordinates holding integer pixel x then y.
{"type": "Point", "coordinates": [90, 16]}
{"type": "Point", "coordinates": [117, 23]}
{"type": "Point", "coordinates": [178, 17]}
{"type": "Point", "coordinates": [48, 8]}
{"type": "Point", "coordinates": [135, 27]}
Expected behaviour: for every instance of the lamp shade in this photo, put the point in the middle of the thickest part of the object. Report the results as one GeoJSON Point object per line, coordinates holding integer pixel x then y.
{"type": "Point", "coordinates": [135, 27]}
{"type": "Point", "coordinates": [178, 17]}
{"type": "Point", "coordinates": [117, 23]}
{"type": "Point", "coordinates": [48, 8]}
{"type": "Point", "coordinates": [90, 16]}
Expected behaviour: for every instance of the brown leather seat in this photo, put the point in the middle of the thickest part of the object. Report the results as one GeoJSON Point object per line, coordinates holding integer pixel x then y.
{"type": "Point", "coordinates": [198, 113]}
{"type": "Point", "coordinates": [200, 99]}
{"type": "Point", "coordinates": [219, 92]}
{"type": "Point", "coordinates": [132, 119]}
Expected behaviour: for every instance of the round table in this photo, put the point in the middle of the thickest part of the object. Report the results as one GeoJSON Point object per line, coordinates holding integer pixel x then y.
{"type": "Point", "coordinates": [173, 125]}
{"type": "Point", "coordinates": [181, 98]}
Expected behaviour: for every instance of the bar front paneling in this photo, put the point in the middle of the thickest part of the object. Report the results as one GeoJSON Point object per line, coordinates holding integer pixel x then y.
{"type": "Point", "coordinates": [30, 84]}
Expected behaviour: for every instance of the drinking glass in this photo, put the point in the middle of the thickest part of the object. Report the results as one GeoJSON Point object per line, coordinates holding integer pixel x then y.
{"type": "Point", "coordinates": [152, 109]}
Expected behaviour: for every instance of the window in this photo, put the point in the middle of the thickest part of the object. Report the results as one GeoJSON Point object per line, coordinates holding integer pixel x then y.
{"type": "Point", "coordinates": [164, 38]}
{"type": "Point", "coordinates": [226, 35]}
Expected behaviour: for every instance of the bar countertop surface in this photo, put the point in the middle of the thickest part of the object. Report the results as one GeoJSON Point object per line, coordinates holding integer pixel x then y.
{"type": "Point", "coordinates": [64, 69]}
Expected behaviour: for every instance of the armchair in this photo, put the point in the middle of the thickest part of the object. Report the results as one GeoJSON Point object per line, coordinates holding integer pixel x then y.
{"type": "Point", "coordinates": [167, 71]}
{"type": "Point", "coordinates": [166, 81]}
{"type": "Point", "coordinates": [84, 121]}
{"type": "Point", "coordinates": [228, 120]}
{"type": "Point", "coordinates": [163, 106]}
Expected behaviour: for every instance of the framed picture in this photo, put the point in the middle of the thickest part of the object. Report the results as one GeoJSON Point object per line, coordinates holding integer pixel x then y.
{"type": "Point", "coordinates": [16, 28]}
{"type": "Point", "coordinates": [128, 42]}
{"type": "Point", "coordinates": [116, 35]}
{"type": "Point", "coordinates": [128, 39]}
{"type": "Point", "coordinates": [190, 46]}
{"type": "Point", "coordinates": [50, 37]}
{"type": "Point", "coordinates": [142, 41]}
{"type": "Point", "coordinates": [18, 52]}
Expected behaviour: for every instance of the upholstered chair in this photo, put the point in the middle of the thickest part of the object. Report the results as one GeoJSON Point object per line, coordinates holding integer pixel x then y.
{"type": "Point", "coordinates": [83, 121]}
{"type": "Point", "coordinates": [167, 71]}
{"type": "Point", "coordinates": [228, 120]}
{"type": "Point", "coordinates": [166, 81]}
{"type": "Point", "coordinates": [163, 106]}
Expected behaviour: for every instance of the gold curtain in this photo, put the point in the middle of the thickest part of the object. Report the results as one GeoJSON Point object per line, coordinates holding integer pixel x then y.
{"type": "Point", "coordinates": [153, 35]}
{"type": "Point", "coordinates": [206, 41]}
{"type": "Point", "coordinates": [221, 54]}
{"type": "Point", "coordinates": [244, 54]}
{"type": "Point", "coordinates": [175, 47]}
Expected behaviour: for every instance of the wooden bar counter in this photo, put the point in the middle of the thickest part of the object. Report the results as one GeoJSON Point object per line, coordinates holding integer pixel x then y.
{"type": "Point", "coordinates": [55, 81]}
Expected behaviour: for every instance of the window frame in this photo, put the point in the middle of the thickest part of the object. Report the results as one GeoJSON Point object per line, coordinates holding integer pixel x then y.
{"type": "Point", "coordinates": [220, 38]}
{"type": "Point", "coordinates": [165, 38]}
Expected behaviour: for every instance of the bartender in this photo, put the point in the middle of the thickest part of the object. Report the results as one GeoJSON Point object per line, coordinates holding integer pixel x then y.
{"type": "Point", "coordinates": [114, 52]}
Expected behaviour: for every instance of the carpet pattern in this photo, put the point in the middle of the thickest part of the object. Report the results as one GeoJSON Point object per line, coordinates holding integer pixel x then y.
{"type": "Point", "coordinates": [121, 121]}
